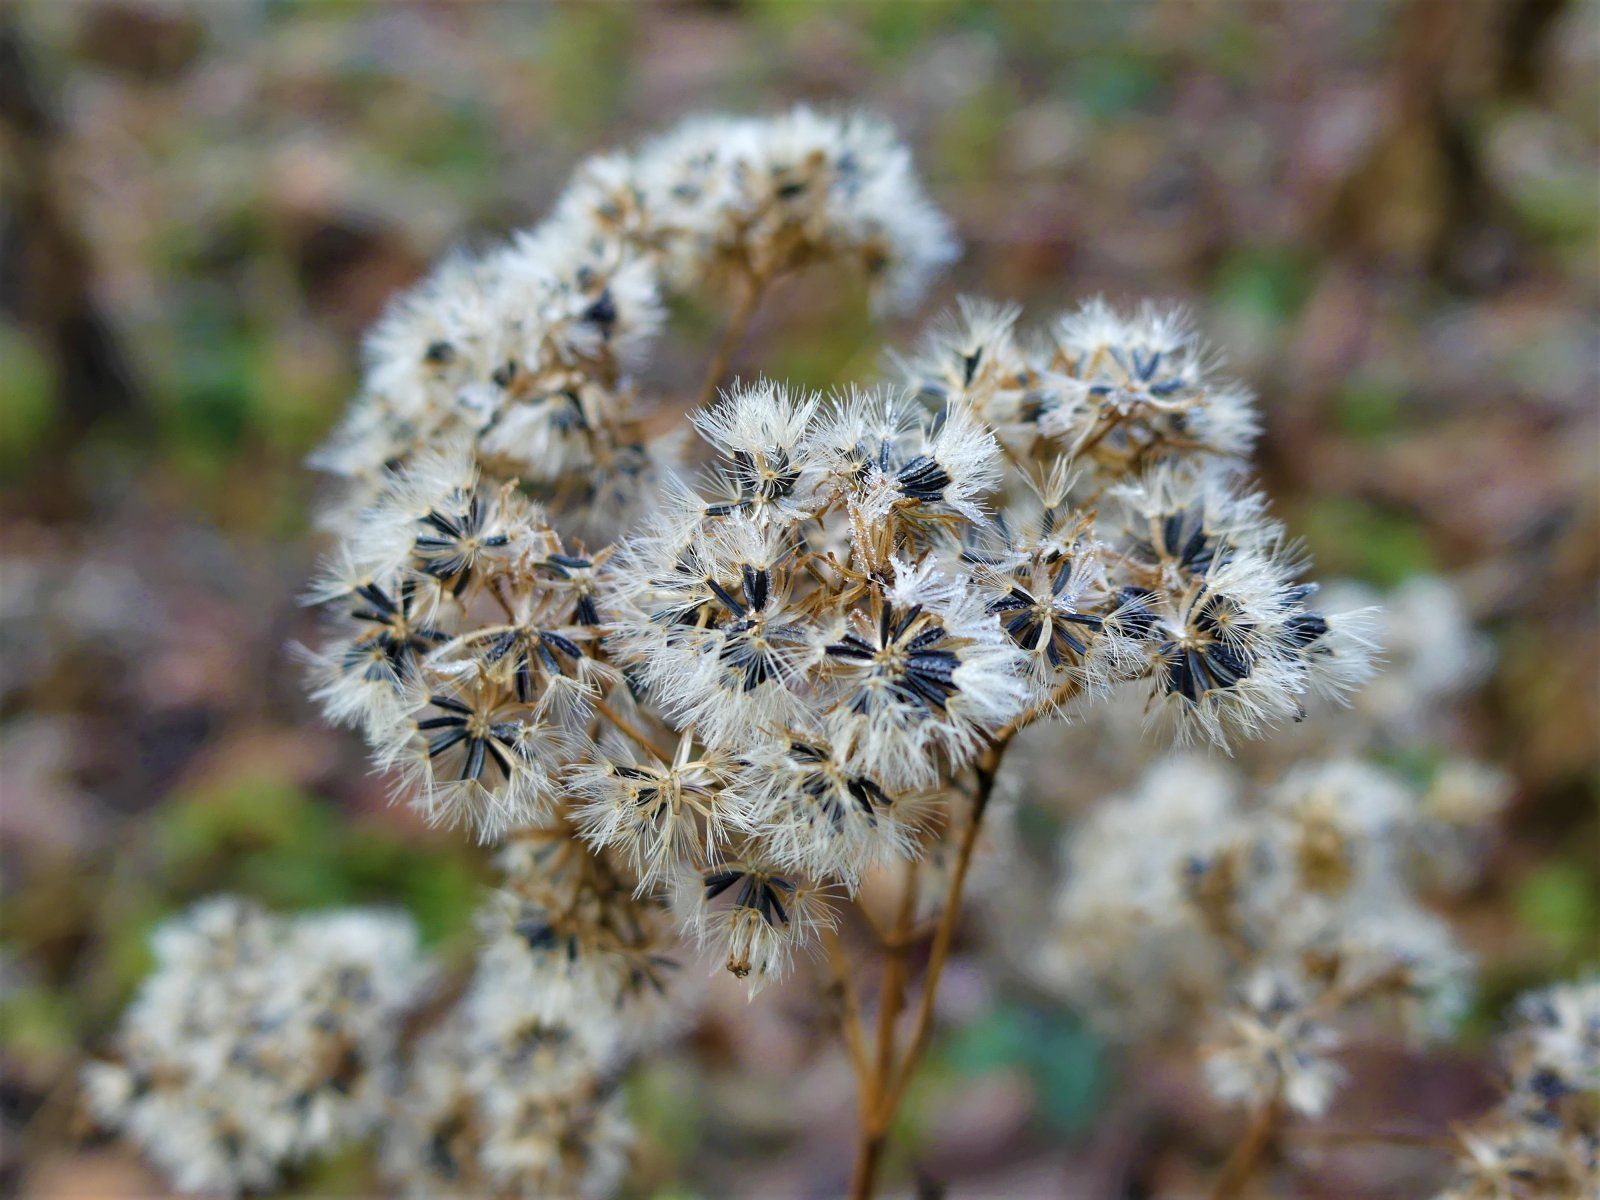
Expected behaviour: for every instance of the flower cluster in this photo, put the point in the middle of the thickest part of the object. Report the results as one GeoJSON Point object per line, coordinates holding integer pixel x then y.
{"type": "Point", "coordinates": [1115, 393]}
{"type": "Point", "coordinates": [527, 350]}
{"type": "Point", "coordinates": [1544, 1137]}
{"type": "Point", "coordinates": [848, 610]}
{"type": "Point", "coordinates": [728, 202]}
{"type": "Point", "coordinates": [1272, 919]}
{"type": "Point", "coordinates": [769, 687]}
{"type": "Point", "coordinates": [711, 706]}
{"type": "Point", "coordinates": [514, 1092]}
{"type": "Point", "coordinates": [258, 1041]}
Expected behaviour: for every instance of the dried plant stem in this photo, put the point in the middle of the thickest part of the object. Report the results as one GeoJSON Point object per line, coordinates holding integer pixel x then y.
{"type": "Point", "coordinates": [874, 1127]}
{"type": "Point", "coordinates": [850, 1015]}
{"type": "Point", "coordinates": [636, 735]}
{"type": "Point", "coordinates": [944, 934]}
{"type": "Point", "coordinates": [1246, 1156]}
{"type": "Point", "coordinates": [883, 1091]}
{"type": "Point", "coordinates": [755, 286]}
{"type": "Point", "coordinates": [1384, 1137]}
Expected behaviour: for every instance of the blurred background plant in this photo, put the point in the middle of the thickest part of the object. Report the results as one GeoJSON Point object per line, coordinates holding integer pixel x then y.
{"type": "Point", "coordinates": [1387, 211]}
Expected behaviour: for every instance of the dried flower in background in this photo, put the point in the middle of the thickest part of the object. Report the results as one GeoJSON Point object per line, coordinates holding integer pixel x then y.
{"type": "Point", "coordinates": [1543, 1140]}
{"type": "Point", "coordinates": [259, 1041]}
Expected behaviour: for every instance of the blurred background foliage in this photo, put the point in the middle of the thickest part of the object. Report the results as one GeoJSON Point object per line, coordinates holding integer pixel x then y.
{"type": "Point", "coordinates": [1386, 210]}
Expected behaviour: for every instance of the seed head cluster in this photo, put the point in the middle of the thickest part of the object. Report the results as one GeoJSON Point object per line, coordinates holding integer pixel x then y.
{"type": "Point", "coordinates": [704, 692]}
{"type": "Point", "coordinates": [259, 1041]}
{"type": "Point", "coordinates": [1543, 1138]}
{"type": "Point", "coordinates": [1264, 923]}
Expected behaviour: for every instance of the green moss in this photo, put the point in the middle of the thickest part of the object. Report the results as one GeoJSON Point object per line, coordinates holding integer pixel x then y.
{"type": "Point", "coordinates": [1351, 537]}
{"type": "Point", "coordinates": [27, 398]}
{"type": "Point", "coordinates": [1370, 408]}
{"type": "Point", "coordinates": [266, 838]}
{"type": "Point", "coordinates": [1560, 904]}
{"type": "Point", "coordinates": [1264, 283]}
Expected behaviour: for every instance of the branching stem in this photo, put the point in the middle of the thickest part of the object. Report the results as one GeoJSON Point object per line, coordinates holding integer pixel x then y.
{"type": "Point", "coordinates": [750, 294]}
{"type": "Point", "coordinates": [1246, 1156]}
{"type": "Point", "coordinates": [632, 731]}
{"type": "Point", "coordinates": [884, 1089]}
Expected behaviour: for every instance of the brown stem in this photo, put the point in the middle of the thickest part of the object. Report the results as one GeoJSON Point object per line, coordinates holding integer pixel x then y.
{"type": "Point", "coordinates": [875, 1121]}
{"type": "Point", "coordinates": [884, 1091]}
{"type": "Point", "coordinates": [850, 1006]}
{"type": "Point", "coordinates": [1066, 691]}
{"type": "Point", "coordinates": [632, 731]}
{"type": "Point", "coordinates": [1383, 1137]}
{"type": "Point", "coordinates": [944, 934]}
{"type": "Point", "coordinates": [1241, 1163]}
{"type": "Point", "coordinates": [749, 298]}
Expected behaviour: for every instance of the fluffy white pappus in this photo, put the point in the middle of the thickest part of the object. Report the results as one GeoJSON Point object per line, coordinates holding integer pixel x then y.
{"type": "Point", "coordinates": [649, 582]}
{"type": "Point", "coordinates": [661, 817]}
{"type": "Point", "coordinates": [1186, 889]}
{"type": "Point", "coordinates": [861, 426]}
{"type": "Point", "coordinates": [1541, 1139]}
{"type": "Point", "coordinates": [608, 983]}
{"type": "Point", "coordinates": [429, 1143]}
{"type": "Point", "coordinates": [752, 671]}
{"type": "Point", "coordinates": [971, 359]}
{"type": "Point", "coordinates": [436, 338]}
{"type": "Point", "coordinates": [357, 452]}
{"type": "Point", "coordinates": [474, 754]}
{"type": "Point", "coordinates": [899, 469]}
{"type": "Point", "coordinates": [1179, 518]}
{"type": "Point", "coordinates": [905, 240]}
{"type": "Point", "coordinates": [1057, 605]}
{"type": "Point", "coordinates": [609, 199]}
{"type": "Point", "coordinates": [571, 924]}
{"type": "Point", "coordinates": [679, 181]}
{"type": "Point", "coordinates": [814, 813]}
{"type": "Point", "coordinates": [381, 944]}
{"type": "Point", "coordinates": [773, 194]}
{"type": "Point", "coordinates": [572, 300]}
{"type": "Point", "coordinates": [1351, 798]}
{"type": "Point", "coordinates": [508, 1031]}
{"type": "Point", "coordinates": [1127, 943]}
{"type": "Point", "coordinates": [1250, 708]}
{"type": "Point", "coordinates": [709, 622]}
{"type": "Point", "coordinates": [1466, 795]}
{"type": "Point", "coordinates": [757, 916]}
{"type": "Point", "coordinates": [434, 516]}
{"type": "Point", "coordinates": [497, 1100]}
{"type": "Point", "coordinates": [1225, 655]}
{"type": "Point", "coordinates": [382, 630]}
{"type": "Point", "coordinates": [1095, 336]}
{"type": "Point", "coordinates": [1141, 388]}
{"type": "Point", "coordinates": [762, 432]}
{"type": "Point", "coordinates": [547, 432]}
{"type": "Point", "coordinates": [1412, 960]}
{"type": "Point", "coordinates": [428, 362]}
{"type": "Point", "coordinates": [258, 1041]}
{"type": "Point", "coordinates": [875, 209]}
{"type": "Point", "coordinates": [1272, 1045]}
{"type": "Point", "coordinates": [946, 466]}
{"type": "Point", "coordinates": [966, 465]}
{"type": "Point", "coordinates": [575, 1144]}
{"type": "Point", "coordinates": [624, 484]}
{"type": "Point", "coordinates": [1340, 650]}
{"type": "Point", "coordinates": [1556, 1031]}
{"type": "Point", "coordinates": [1431, 656]}
{"type": "Point", "coordinates": [920, 673]}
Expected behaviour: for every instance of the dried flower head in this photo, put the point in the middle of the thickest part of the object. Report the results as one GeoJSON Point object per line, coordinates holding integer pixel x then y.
{"type": "Point", "coordinates": [1544, 1137]}
{"type": "Point", "coordinates": [1276, 917]}
{"type": "Point", "coordinates": [258, 1041]}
